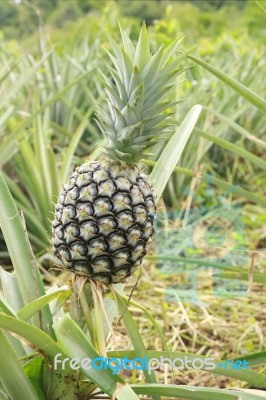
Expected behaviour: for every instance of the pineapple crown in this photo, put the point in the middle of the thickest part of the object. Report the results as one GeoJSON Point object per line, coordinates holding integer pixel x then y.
{"type": "Point", "coordinates": [135, 118]}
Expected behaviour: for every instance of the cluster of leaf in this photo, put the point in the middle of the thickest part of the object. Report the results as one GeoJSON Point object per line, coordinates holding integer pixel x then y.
{"type": "Point", "coordinates": [136, 120]}
{"type": "Point", "coordinates": [47, 105]}
{"type": "Point", "coordinates": [231, 128]}
{"type": "Point", "coordinates": [47, 120]}
{"type": "Point", "coordinates": [37, 317]}
{"type": "Point", "coordinates": [231, 113]}
{"type": "Point", "coordinates": [46, 111]}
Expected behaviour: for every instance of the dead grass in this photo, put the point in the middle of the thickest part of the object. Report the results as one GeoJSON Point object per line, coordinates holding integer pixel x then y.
{"type": "Point", "coordinates": [217, 327]}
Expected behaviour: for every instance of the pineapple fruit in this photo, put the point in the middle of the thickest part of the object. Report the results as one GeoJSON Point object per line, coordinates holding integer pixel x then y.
{"type": "Point", "coordinates": [104, 217]}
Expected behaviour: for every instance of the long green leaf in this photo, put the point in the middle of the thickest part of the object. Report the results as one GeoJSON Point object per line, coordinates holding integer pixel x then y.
{"type": "Point", "coordinates": [41, 146]}
{"type": "Point", "coordinates": [238, 128]}
{"type": "Point", "coordinates": [33, 369]}
{"type": "Point", "coordinates": [75, 344]}
{"type": "Point", "coordinates": [234, 148]}
{"type": "Point", "coordinates": [68, 157]}
{"type": "Point", "coordinates": [22, 80]}
{"type": "Point", "coordinates": [11, 290]}
{"type": "Point", "coordinates": [254, 358]}
{"type": "Point", "coordinates": [16, 192]}
{"type": "Point", "coordinates": [111, 309]}
{"type": "Point", "coordinates": [197, 261]}
{"type": "Point", "coordinates": [173, 150]}
{"type": "Point", "coordinates": [11, 368]}
{"type": "Point", "coordinates": [253, 378]}
{"type": "Point", "coordinates": [135, 336]}
{"type": "Point", "coordinates": [28, 275]}
{"type": "Point", "coordinates": [194, 392]}
{"type": "Point", "coordinates": [243, 276]}
{"type": "Point", "coordinates": [33, 177]}
{"type": "Point", "coordinates": [30, 309]}
{"type": "Point", "coordinates": [52, 100]}
{"type": "Point", "coordinates": [13, 297]}
{"type": "Point", "coordinates": [5, 307]}
{"type": "Point", "coordinates": [7, 151]}
{"type": "Point", "coordinates": [241, 89]}
{"type": "Point", "coordinates": [150, 316]}
{"type": "Point", "coordinates": [218, 182]}
{"type": "Point", "coordinates": [32, 334]}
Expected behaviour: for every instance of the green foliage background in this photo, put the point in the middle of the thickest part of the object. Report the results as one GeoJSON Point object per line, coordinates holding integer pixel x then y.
{"type": "Point", "coordinates": [60, 45]}
{"type": "Point", "coordinates": [19, 18]}
{"type": "Point", "coordinates": [50, 54]}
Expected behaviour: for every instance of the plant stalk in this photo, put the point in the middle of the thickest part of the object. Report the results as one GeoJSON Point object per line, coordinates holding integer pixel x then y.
{"type": "Point", "coordinates": [98, 318]}
{"type": "Point", "coordinates": [87, 312]}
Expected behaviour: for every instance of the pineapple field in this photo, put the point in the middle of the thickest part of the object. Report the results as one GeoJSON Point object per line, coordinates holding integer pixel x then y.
{"type": "Point", "coordinates": [132, 199]}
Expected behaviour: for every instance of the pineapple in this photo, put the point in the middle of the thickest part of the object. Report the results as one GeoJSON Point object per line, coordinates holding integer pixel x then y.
{"type": "Point", "coordinates": [104, 217]}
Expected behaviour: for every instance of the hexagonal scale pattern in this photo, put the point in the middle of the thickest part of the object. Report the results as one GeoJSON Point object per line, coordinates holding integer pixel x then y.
{"type": "Point", "coordinates": [103, 221]}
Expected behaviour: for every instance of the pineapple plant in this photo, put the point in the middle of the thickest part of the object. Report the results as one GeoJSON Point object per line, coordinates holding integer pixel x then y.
{"type": "Point", "coordinates": [104, 217]}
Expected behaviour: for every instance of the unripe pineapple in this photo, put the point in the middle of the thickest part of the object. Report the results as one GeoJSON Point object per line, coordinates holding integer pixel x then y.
{"type": "Point", "coordinates": [104, 216]}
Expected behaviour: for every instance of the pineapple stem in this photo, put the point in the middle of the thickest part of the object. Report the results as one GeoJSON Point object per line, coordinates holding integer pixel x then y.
{"type": "Point", "coordinates": [98, 318]}
{"type": "Point", "coordinates": [106, 316]}
{"type": "Point", "coordinates": [87, 314]}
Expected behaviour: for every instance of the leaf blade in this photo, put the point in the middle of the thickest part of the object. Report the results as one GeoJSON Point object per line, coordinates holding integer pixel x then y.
{"type": "Point", "coordinates": [169, 157]}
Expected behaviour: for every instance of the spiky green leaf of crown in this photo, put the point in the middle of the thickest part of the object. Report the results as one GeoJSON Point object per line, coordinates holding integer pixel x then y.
{"type": "Point", "coordinates": [135, 117]}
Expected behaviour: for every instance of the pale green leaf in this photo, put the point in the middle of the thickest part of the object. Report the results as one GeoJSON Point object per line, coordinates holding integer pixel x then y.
{"type": "Point", "coordinates": [10, 367]}
{"type": "Point", "coordinates": [142, 54]}
{"type": "Point", "coordinates": [241, 89]}
{"type": "Point", "coordinates": [173, 150]}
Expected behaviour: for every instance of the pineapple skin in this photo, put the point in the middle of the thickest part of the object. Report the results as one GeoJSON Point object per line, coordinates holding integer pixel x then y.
{"type": "Point", "coordinates": [103, 221]}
